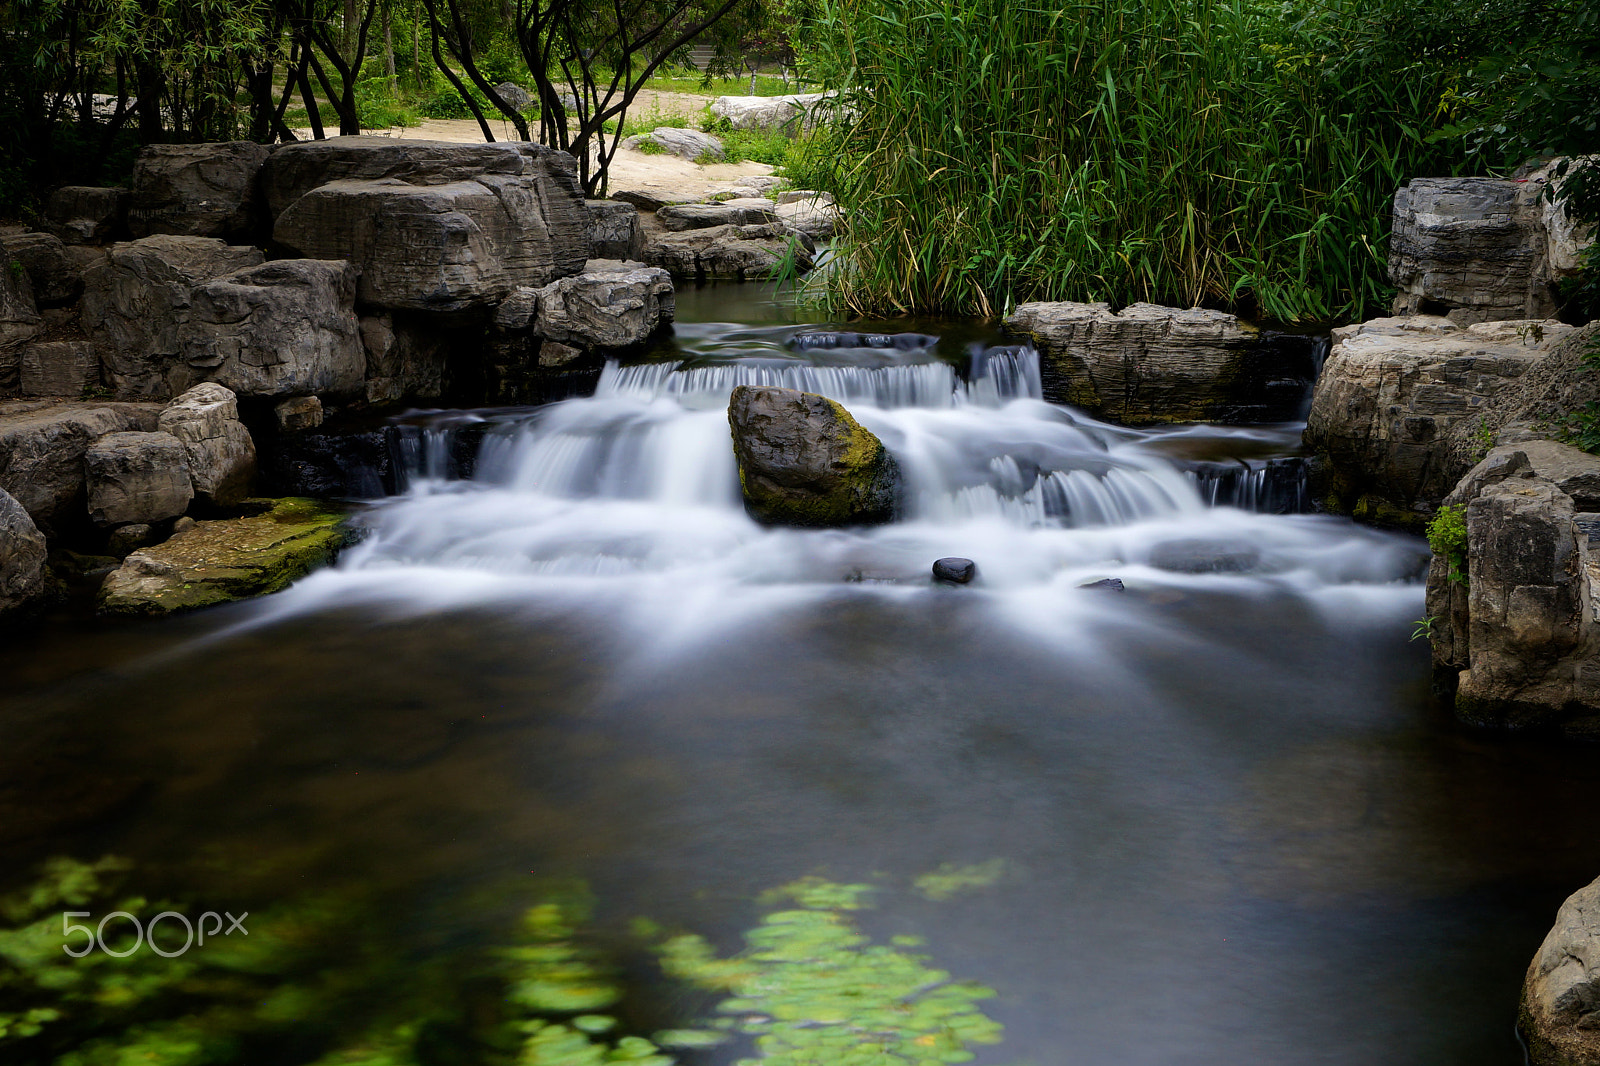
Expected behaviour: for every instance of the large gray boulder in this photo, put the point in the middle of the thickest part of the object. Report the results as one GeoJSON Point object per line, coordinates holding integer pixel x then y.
{"type": "Point", "coordinates": [730, 253]}
{"type": "Point", "coordinates": [1390, 393]}
{"type": "Point", "coordinates": [814, 215]}
{"type": "Point", "coordinates": [1150, 364]}
{"type": "Point", "coordinates": [137, 477]}
{"type": "Point", "coordinates": [217, 446]}
{"type": "Point", "coordinates": [22, 556]}
{"type": "Point", "coordinates": [409, 354]}
{"type": "Point", "coordinates": [42, 447]}
{"type": "Point", "coordinates": [438, 247]}
{"type": "Point", "coordinates": [740, 211]}
{"type": "Point", "coordinates": [804, 461]}
{"type": "Point", "coordinates": [82, 214]}
{"type": "Point", "coordinates": [1516, 630]}
{"type": "Point", "coordinates": [54, 275]}
{"type": "Point", "coordinates": [295, 169]}
{"type": "Point", "coordinates": [599, 311]}
{"type": "Point", "coordinates": [1561, 996]}
{"type": "Point", "coordinates": [795, 112]}
{"type": "Point", "coordinates": [136, 303]}
{"type": "Point", "coordinates": [692, 145]}
{"type": "Point", "coordinates": [197, 190]}
{"type": "Point", "coordinates": [19, 319]}
{"type": "Point", "coordinates": [282, 328]}
{"type": "Point", "coordinates": [614, 231]}
{"type": "Point", "coordinates": [59, 368]}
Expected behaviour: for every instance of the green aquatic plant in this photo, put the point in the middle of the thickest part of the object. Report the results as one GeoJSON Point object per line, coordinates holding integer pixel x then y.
{"type": "Point", "coordinates": [811, 988]}
{"type": "Point", "coordinates": [950, 880]}
{"type": "Point", "coordinates": [1447, 536]}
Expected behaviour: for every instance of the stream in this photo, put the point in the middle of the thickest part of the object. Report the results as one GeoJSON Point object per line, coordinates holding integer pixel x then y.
{"type": "Point", "coordinates": [1217, 814]}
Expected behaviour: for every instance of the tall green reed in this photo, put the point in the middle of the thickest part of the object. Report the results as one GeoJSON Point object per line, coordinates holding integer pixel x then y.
{"type": "Point", "coordinates": [1217, 152]}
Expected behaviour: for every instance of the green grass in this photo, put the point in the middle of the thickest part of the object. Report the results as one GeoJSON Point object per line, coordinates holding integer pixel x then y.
{"type": "Point", "coordinates": [1214, 152]}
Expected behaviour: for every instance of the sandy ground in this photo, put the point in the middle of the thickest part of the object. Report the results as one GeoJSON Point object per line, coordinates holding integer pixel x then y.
{"type": "Point", "coordinates": [629, 169]}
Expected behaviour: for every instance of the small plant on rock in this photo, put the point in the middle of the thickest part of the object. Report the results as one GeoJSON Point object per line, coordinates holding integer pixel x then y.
{"type": "Point", "coordinates": [1447, 536]}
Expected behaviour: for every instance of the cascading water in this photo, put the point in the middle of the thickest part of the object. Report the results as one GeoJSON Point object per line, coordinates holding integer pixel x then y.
{"type": "Point", "coordinates": [633, 494]}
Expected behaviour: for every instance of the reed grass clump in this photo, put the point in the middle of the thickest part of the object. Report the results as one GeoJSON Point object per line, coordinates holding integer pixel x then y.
{"type": "Point", "coordinates": [1212, 152]}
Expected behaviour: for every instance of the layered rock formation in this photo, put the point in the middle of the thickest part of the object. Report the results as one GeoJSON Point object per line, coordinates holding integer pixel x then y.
{"type": "Point", "coordinates": [22, 557]}
{"type": "Point", "coordinates": [1148, 364]}
{"type": "Point", "coordinates": [1393, 390]}
{"type": "Point", "coordinates": [1481, 249]}
{"type": "Point", "coordinates": [197, 190]}
{"type": "Point", "coordinates": [804, 461]}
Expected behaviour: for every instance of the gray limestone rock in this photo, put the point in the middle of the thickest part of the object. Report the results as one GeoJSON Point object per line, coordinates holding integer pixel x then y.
{"type": "Point", "coordinates": [42, 447]}
{"type": "Point", "coordinates": [137, 477]}
{"type": "Point", "coordinates": [734, 253]}
{"type": "Point", "coordinates": [137, 302]}
{"type": "Point", "coordinates": [56, 277]}
{"type": "Point", "coordinates": [1561, 996]}
{"type": "Point", "coordinates": [220, 453]}
{"type": "Point", "coordinates": [283, 328]}
{"type": "Point", "coordinates": [197, 190]}
{"type": "Point", "coordinates": [692, 145]}
{"type": "Point", "coordinates": [82, 214]}
{"type": "Point", "coordinates": [740, 211]}
{"type": "Point", "coordinates": [614, 231]}
{"type": "Point", "coordinates": [607, 310]}
{"type": "Point", "coordinates": [22, 557]}
{"type": "Point", "coordinates": [59, 368]}
{"type": "Point", "coordinates": [1392, 390]}
{"type": "Point", "coordinates": [19, 319]}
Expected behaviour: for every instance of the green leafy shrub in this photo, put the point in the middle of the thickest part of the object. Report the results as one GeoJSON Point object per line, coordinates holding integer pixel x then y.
{"type": "Point", "coordinates": [1447, 536]}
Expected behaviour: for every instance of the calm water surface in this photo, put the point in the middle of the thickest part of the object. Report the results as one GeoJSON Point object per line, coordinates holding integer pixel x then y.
{"type": "Point", "coordinates": [1231, 824]}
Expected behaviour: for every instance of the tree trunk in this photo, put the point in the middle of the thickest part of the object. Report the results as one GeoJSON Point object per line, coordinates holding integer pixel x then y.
{"type": "Point", "coordinates": [388, 49]}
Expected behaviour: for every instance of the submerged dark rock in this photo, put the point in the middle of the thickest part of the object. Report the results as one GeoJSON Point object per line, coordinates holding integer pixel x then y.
{"type": "Point", "coordinates": [1110, 584]}
{"type": "Point", "coordinates": [804, 461]}
{"type": "Point", "coordinates": [955, 570]}
{"type": "Point", "coordinates": [1204, 557]}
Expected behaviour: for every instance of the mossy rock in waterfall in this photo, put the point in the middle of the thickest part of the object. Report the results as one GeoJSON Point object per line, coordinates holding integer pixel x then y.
{"type": "Point", "coordinates": [804, 461]}
{"type": "Point", "coordinates": [228, 559]}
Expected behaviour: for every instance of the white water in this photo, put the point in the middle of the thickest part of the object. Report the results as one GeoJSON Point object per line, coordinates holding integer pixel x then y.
{"type": "Point", "coordinates": [628, 503]}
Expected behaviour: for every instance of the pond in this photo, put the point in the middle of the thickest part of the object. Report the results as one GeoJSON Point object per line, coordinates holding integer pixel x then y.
{"type": "Point", "coordinates": [1213, 817]}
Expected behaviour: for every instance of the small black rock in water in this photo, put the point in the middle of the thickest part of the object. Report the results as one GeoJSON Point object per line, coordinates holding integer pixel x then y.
{"type": "Point", "coordinates": [1112, 584]}
{"type": "Point", "coordinates": [955, 571]}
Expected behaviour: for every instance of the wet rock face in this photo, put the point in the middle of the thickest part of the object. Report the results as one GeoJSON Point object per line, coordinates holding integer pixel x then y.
{"type": "Point", "coordinates": [804, 461]}
{"type": "Point", "coordinates": [1518, 633]}
{"type": "Point", "coordinates": [197, 190]}
{"type": "Point", "coordinates": [228, 559]}
{"type": "Point", "coordinates": [137, 301]}
{"type": "Point", "coordinates": [137, 477]}
{"type": "Point", "coordinates": [1391, 392]}
{"type": "Point", "coordinates": [1148, 364]}
{"type": "Point", "coordinates": [283, 328]}
{"type": "Point", "coordinates": [22, 556]}
{"type": "Point", "coordinates": [42, 450]}
{"type": "Point", "coordinates": [1561, 997]}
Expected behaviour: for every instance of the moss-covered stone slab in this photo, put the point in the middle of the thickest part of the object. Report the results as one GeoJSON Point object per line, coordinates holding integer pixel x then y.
{"type": "Point", "coordinates": [227, 559]}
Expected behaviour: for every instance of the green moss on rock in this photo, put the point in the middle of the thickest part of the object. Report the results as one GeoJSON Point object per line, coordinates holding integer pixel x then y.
{"type": "Point", "coordinates": [227, 559]}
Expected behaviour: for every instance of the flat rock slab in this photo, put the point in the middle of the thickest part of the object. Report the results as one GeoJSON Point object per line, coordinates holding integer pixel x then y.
{"type": "Point", "coordinates": [797, 111]}
{"type": "Point", "coordinates": [692, 145]}
{"type": "Point", "coordinates": [226, 560]}
{"type": "Point", "coordinates": [730, 253]}
{"type": "Point", "coordinates": [739, 211]}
